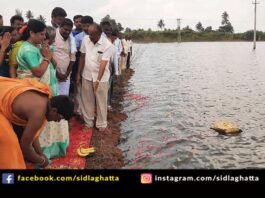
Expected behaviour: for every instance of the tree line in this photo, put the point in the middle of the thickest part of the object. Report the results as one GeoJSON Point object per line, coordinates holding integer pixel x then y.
{"type": "Point", "coordinates": [226, 25]}
{"type": "Point", "coordinates": [29, 15]}
{"type": "Point", "coordinates": [225, 32]}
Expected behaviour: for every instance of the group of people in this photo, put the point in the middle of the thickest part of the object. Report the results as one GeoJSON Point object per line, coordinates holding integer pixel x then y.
{"type": "Point", "coordinates": [50, 73]}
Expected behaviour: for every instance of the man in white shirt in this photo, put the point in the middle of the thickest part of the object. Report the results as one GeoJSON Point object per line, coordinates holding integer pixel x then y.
{"type": "Point", "coordinates": [86, 21]}
{"type": "Point", "coordinates": [58, 15]}
{"type": "Point", "coordinates": [96, 52]}
{"type": "Point", "coordinates": [118, 45]}
{"type": "Point", "coordinates": [63, 56]}
{"type": "Point", "coordinates": [126, 48]}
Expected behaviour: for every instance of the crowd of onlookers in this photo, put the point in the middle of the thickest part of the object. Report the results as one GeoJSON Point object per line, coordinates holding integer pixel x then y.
{"type": "Point", "coordinates": [79, 62]}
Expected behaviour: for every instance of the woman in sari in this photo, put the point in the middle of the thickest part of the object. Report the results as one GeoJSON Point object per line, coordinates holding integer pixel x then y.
{"type": "Point", "coordinates": [35, 61]}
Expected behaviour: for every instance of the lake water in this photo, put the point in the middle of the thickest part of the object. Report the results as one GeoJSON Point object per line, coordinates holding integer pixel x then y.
{"type": "Point", "coordinates": [179, 90]}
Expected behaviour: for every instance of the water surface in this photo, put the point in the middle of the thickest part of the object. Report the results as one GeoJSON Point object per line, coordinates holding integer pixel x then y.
{"type": "Point", "coordinates": [179, 90]}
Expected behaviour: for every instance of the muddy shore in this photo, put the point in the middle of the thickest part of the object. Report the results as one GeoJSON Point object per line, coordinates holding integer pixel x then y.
{"type": "Point", "coordinates": [108, 155]}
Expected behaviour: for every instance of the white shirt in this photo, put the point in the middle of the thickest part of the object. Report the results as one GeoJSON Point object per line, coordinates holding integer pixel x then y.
{"type": "Point", "coordinates": [130, 44]}
{"type": "Point", "coordinates": [126, 46]}
{"type": "Point", "coordinates": [118, 46]}
{"type": "Point", "coordinates": [62, 52]}
{"type": "Point", "coordinates": [94, 54]}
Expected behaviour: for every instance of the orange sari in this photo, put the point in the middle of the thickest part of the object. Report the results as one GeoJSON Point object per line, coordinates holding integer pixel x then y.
{"type": "Point", "coordinates": [11, 156]}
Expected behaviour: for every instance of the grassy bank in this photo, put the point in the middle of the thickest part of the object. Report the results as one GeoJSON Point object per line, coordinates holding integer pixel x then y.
{"type": "Point", "coordinates": [191, 36]}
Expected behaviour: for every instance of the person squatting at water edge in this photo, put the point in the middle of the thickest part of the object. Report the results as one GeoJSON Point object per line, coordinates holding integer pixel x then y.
{"type": "Point", "coordinates": [27, 103]}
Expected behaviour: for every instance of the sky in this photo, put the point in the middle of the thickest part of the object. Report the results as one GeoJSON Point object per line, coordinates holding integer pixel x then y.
{"type": "Point", "coordinates": [145, 14]}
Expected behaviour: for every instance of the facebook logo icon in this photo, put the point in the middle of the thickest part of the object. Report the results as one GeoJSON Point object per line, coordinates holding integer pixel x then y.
{"type": "Point", "coordinates": [8, 178]}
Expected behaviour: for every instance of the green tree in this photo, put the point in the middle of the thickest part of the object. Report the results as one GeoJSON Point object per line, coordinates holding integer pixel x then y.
{"type": "Point", "coordinates": [199, 27]}
{"type": "Point", "coordinates": [161, 24]}
{"type": "Point", "coordinates": [187, 29]}
{"type": "Point", "coordinates": [226, 25]}
{"type": "Point", "coordinates": [128, 29]}
{"type": "Point", "coordinates": [208, 29]}
{"type": "Point", "coordinates": [119, 27]}
{"type": "Point", "coordinates": [18, 12]}
{"type": "Point", "coordinates": [29, 15]}
{"type": "Point", "coordinates": [249, 35]}
{"type": "Point", "coordinates": [42, 19]}
{"type": "Point", "coordinates": [225, 18]}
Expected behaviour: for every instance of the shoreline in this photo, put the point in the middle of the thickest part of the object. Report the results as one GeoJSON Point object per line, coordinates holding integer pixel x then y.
{"type": "Point", "coordinates": [108, 155]}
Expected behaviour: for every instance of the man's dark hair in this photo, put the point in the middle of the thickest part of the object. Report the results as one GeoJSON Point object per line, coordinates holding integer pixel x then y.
{"type": "Point", "coordinates": [1, 16]}
{"type": "Point", "coordinates": [87, 19]}
{"type": "Point", "coordinates": [106, 27]}
{"type": "Point", "coordinates": [64, 106]}
{"type": "Point", "coordinates": [77, 17]}
{"type": "Point", "coordinates": [103, 23]}
{"type": "Point", "coordinates": [68, 22]}
{"type": "Point", "coordinates": [16, 17]}
{"type": "Point", "coordinates": [115, 32]}
{"type": "Point", "coordinates": [57, 11]}
{"type": "Point", "coordinates": [34, 26]}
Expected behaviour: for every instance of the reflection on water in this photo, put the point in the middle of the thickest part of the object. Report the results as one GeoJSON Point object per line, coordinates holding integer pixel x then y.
{"type": "Point", "coordinates": [179, 90]}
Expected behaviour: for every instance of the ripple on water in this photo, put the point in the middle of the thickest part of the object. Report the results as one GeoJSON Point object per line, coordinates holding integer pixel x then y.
{"type": "Point", "coordinates": [189, 87]}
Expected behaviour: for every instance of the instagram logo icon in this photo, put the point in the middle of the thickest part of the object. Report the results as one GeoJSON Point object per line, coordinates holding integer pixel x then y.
{"type": "Point", "coordinates": [146, 178]}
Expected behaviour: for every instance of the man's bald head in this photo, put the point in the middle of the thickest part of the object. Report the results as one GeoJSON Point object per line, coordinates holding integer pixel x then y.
{"type": "Point", "coordinates": [95, 28]}
{"type": "Point", "coordinates": [95, 32]}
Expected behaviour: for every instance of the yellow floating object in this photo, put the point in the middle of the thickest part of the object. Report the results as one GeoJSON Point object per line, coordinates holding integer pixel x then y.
{"type": "Point", "coordinates": [83, 152]}
{"type": "Point", "coordinates": [226, 128]}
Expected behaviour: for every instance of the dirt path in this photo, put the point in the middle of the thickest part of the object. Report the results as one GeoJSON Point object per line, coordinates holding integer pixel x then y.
{"type": "Point", "coordinates": [107, 155]}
